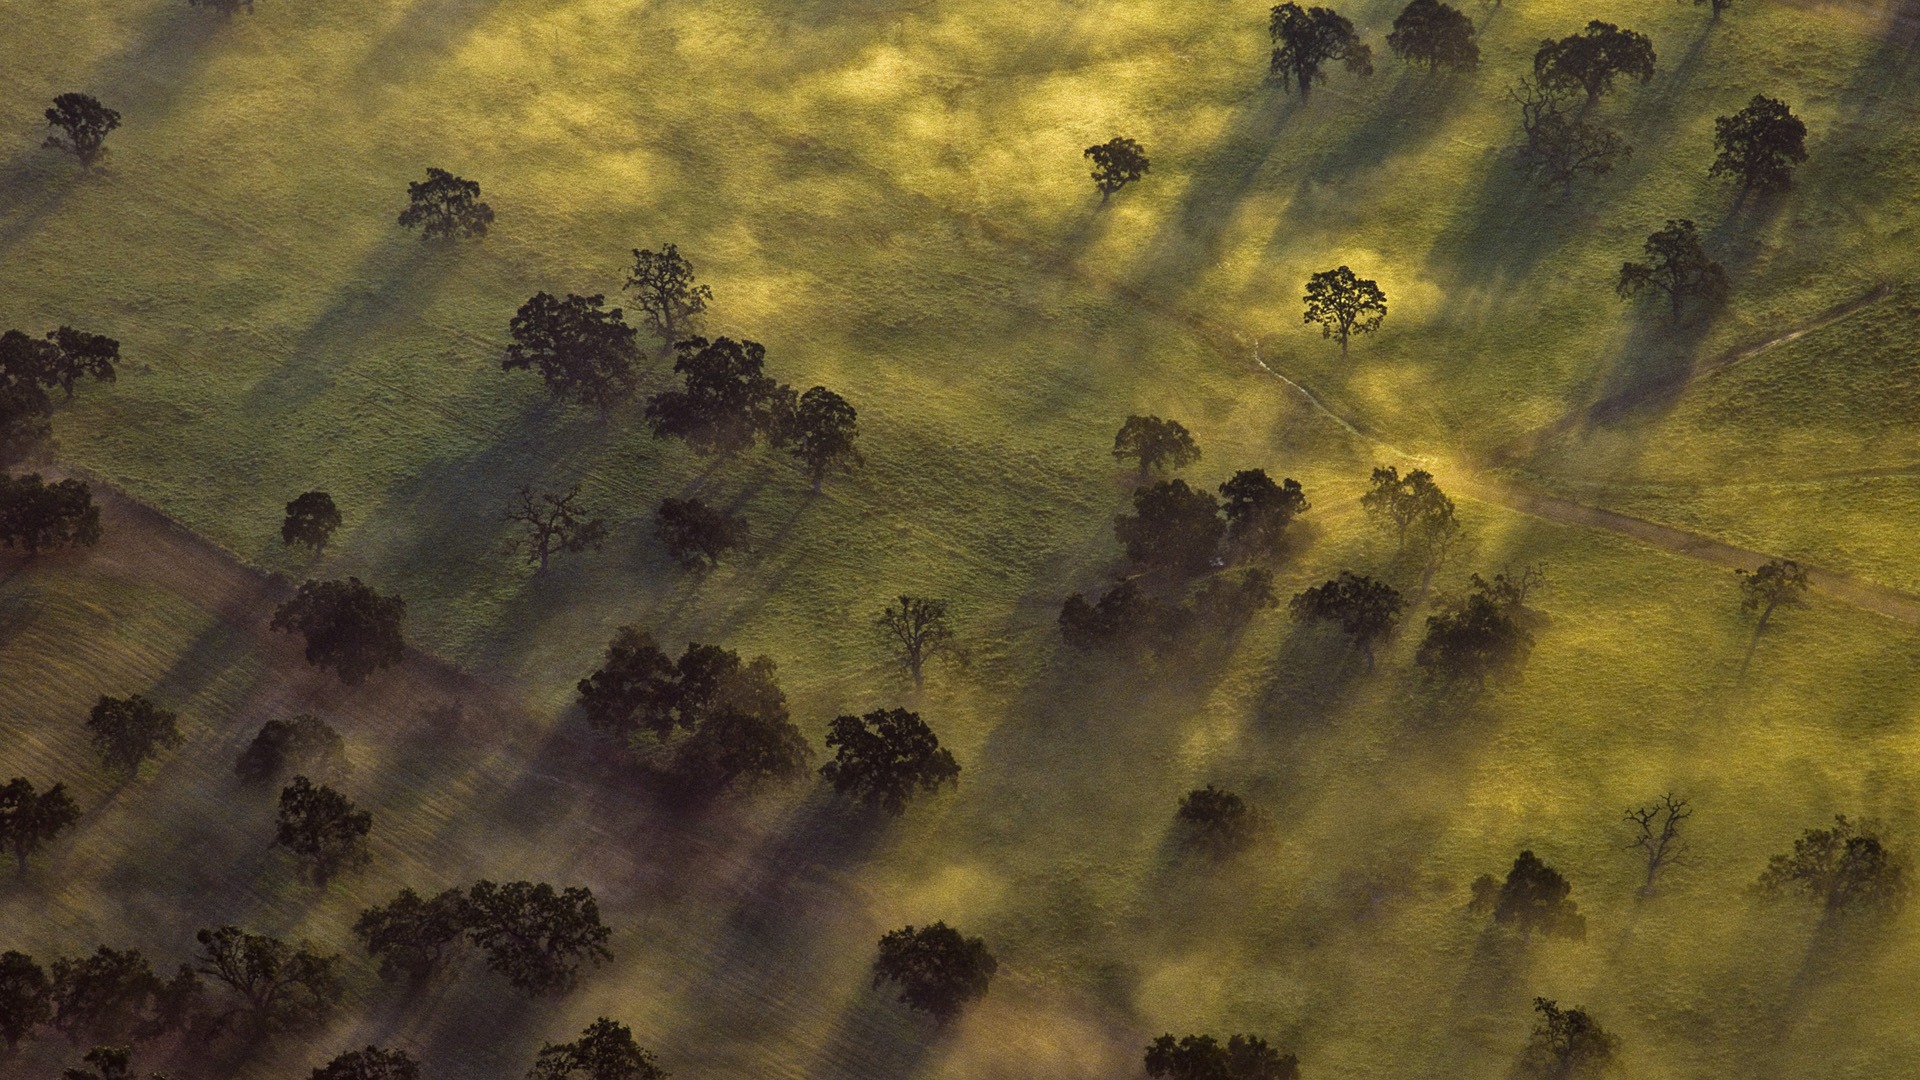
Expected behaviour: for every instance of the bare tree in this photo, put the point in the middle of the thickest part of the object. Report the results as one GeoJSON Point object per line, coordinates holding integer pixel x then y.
{"type": "Point", "coordinates": [1659, 835]}
{"type": "Point", "coordinates": [553, 523]}
{"type": "Point", "coordinates": [919, 630]}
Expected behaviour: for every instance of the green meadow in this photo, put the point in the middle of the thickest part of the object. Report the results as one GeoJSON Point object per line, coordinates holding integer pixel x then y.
{"type": "Point", "coordinates": [892, 199]}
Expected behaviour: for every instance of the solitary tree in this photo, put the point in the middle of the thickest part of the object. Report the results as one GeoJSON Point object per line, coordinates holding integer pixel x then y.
{"type": "Point", "coordinates": [936, 968]}
{"type": "Point", "coordinates": [279, 987]}
{"type": "Point", "coordinates": [29, 818]}
{"type": "Point", "coordinates": [551, 523]}
{"type": "Point", "coordinates": [1589, 60]}
{"type": "Point", "coordinates": [1116, 163]}
{"type": "Point", "coordinates": [35, 514]}
{"type": "Point", "coordinates": [1412, 507]}
{"type": "Point", "coordinates": [444, 207]}
{"type": "Point", "coordinates": [1344, 305]}
{"type": "Point", "coordinates": [1560, 146]}
{"type": "Point", "coordinates": [1474, 638]}
{"type": "Point", "coordinates": [604, 1051]}
{"type": "Point", "coordinates": [323, 828]}
{"type": "Point", "coordinates": [128, 731]}
{"type": "Point", "coordinates": [1172, 527]}
{"type": "Point", "coordinates": [919, 630]}
{"type": "Point", "coordinates": [728, 402]}
{"type": "Point", "coordinates": [304, 740]}
{"type": "Point", "coordinates": [665, 292]}
{"type": "Point", "coordinates": [1657, 835]}
{"type": "Point", "coordinates": [822, 432]}
{"type": "Point", "coordinates": [1845, 868]}
{"type": "Point", "coordinates": [373, 1063]}
{"type": "Point", "coordinates": [1365, 610]}
{"type": "Point", "coordinates": [25, 997]}
{"type": "Point", "coordinates": [535, 936]}
{"type": "Point", "coordinates": [1155, 443]}
{"type": "Point", "coordinates": [409, 935]}
{"type": "Point", "coordinates": [698, 534]}
{"type": "Point", "coordinates": [581, 350]}
{"type": "Point", "coordinates": [1259, 510]}
{"type": "Point", "coordinates": [1759, 145]}
{"type": "Point", "coordinates": [1534, 897]}
{"type": "Point", "coordinates": [114, 997]}
{"type": "Point", "coordinates": [1436, 34]}
{"type": "Point", "coordinates": [1305, 39]}
{"type": "Point", "coordinates": [1567, 1044]}
{"type": "Point", "coordinates": [76, 354]}
{"type": "Point", "coordinates": [1676, 265]}
{"type": "Point", "coordinates": [311, 520]}
{"type": "Point", "coordinates": [1201, 1057]}
{"type": "Point", "coordinates": [1217, 821]}
{"type": "Point", "coordinates": [348, 627]}
{"type": "Point", "coordinates": [1776, 584]}
{"type": "Point", "coordinates": [79, 125]}
{"type": "Point", "coordinates": [881, 758]}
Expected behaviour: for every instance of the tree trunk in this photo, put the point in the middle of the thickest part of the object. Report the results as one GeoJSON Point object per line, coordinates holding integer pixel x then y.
{"type": "Point", "coordinates": [1306, 85]}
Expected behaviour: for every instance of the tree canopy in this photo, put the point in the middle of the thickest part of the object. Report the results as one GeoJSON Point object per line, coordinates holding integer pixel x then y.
{"type": "Point", "coordinates": [537, 937]}
{"type": "Point", "coordinates": [25, 997]}
{"type": "Point", "coordinates": [663, 287]}
{"type": "Point", "coordinates": [79, 125]}
{"type": "Point", "coordinates": [1567, 1044]}
{"type": "Point", "coordinates": [372, 1063]}
{"type": "Point", "coordinates": [1116, 163]}
{"type": "Point", "coordinates": [728, 401]}
{"type": "Point", "coordinates": [409, 935]}
{"type": "Point", "coordinates": [823, 432]}
{"type": "Point", "coordinates": [61, 360]}
{"type": "Point", "coordinates": [937, 969]}
{"type": "Point", "coordinates": [552, 522]}
{"type": "Point", "coordinates": [347, 626]}
{"type": "Point", "coordinates": [311, 520]}
{"type": "Point", "coordinates": [919, 629]}
{"type": "Point", "coordinates": [1412, 507]}
{"type": "Point", "coordinates": [1202, 1057]}
{"type": "Point", "coordinates": [1474, 638]}
{"type": "Point", "coordinates": [36, 515]}
{"type": "Point", "coordinates": [1759, 145]}
{"type": "Point", "coordinates": [1533, 898]}
{"type": "Point", "coordinates": [1172, 527]}
{"type": "Point", "coordinates": [580, 349]}
{"type": "Point", "coordinates": [1258, 510]}
{"type": "Point", "coordinates": [1561, 145]}
{"type": "Point", "coordinates": [323, 828]}
{"type": "Point", "coordinates": [1848, 867]}
{"type": "Point", "coordinates": [127, 731]}
{"type": "Point", "coordinates": [1125, 617]}
{"type": "Point", "coordinates": [29, 819]}
{"type": "Point", "coordinates": [114, 997]}
{"type": "Point", "coordinates": [1436, 34]}
{"type": "Point", "coordinates": [697, 534]}
{"type": "Point", "coordinates": [604, 1051]}
{"type": "Point", "coordinates": [1365, 610]}
{"type": "Point", "coordinates": [1344, 304]}
{"type": "Point", "coordinates": [1305, 39]}
{"type": "Point", "coordinates": [1589, 60]}
{"type": "Point", "coordinates": [1154, 443]}
{"type": "Point", "coordinates": [304, 739]}
{"type": "Point", "coordinates": [446, 207]}
{"type": "Point", "coordinates": [882, 758]}
{"type": "Point", "coordinates": [1676, 265]}
{"type": "Point", "coordinates": [277, 986]}
{"type": "Point", "coordinates": [1216, 820]}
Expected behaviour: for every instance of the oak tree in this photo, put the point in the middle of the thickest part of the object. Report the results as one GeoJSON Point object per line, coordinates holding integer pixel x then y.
{"type": "Point", "coordinates": [373, 1063]}
{"type": "Point", "coordinates": [323, 828]}
{"type": "Point", "coordinates": [664, 289]}
{"type": "Point", "coordinates": [1154, 443]}
{"type": "Point", "coordinates": [305, 740]}
{"type": "Point", "coordinates": [1676, 265]}
{"type": "Point", "coordinates": [1172, 527]}
{"type": "Point", "coordinates": [115, 997]}
{"type": "Point", "coordinates": [604, 1051]}
{"type": "Point", "coordinates": [79, 125]}
{"type": "Point", "coordinates": [1124, 618]}
{"type": "Point", "coordinates": [35, 514]}
{"type": "Point", "coordinates": [728, 401]}
{"type": "Point", "coordinates": [1344, 304]}
{"type": "Point", "coordinates": [76, 354]}
{"type": "Point", "coordinates": [537, 937]}
{"type": "Point", "coordinates": [1589, 60]}
{"type": "Point", "coordinates": [1365, 610]}
{"type": "Point", "coordinates": [580, 349]}
{"type": "Point", "coordinates": [937, 969]}
{"type": "Point", "coordinates": [347, 625]}
{"type": "Point", "coordinates": [882, 758]}
{"type": "Point", "coordinates": [1848, 867]}
{"type": "Point", "coordinates": [1560, 145]}
{"type": "Point", "coordinates": [822, 431]}
{"type": "Point", "coordinates": [635, 688]}
{"type": "Point", "coordinates": [409, 935]}
{"type": "Point", "coordinates": [26, 999]}
{"type": "Point", "coordinates": [919, 630]}
{"type": "Point", "coordinates": [697, 534]}
{"type": "Point", "coordinates": [310, 521]}
{"type": "Point", "coordinates": [551, 523]}
{"type": "Point", "coordinates": [1436, 34]}
{"type": "Point", "coordinates": [1412, 507]}
{"type": "Point", "coordinates": [445, 207]}
{"type": "Point", "coordinates": [1116, 163]}
{"type": "Point", "coordinates": [30, 819]}
{"type": "Point", "coordinates": [277, 986]}
{"type": "Point", "coordinates": [1202, 1057]}
{"type": "Point", "coordinates": [1759, 145]}
{"type": "Point", "coordinates": [1474, 638]}
{"type": "Point", "coordinates": [107, 1063]}
{"type": "Point", "coordinates": [1534, 897]}
{"type": "Point", "coordinates": [127, 731]}
{"type": "Point", "coordinates": [1305, 39]}
{"type": "Point", "coordinates": [1258, 510]}
{"type": "Point", "coordinates": [1567, 1044]}
{"type": "Point", "coordinates": [1217, 821]}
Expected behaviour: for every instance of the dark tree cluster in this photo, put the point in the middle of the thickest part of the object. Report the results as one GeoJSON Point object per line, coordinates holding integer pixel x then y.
{"type": "Point", "coordinates": [666, 292]}
{"type": "Point", "coordinates": [537, 936]}
{"type": "Point", "coordinates": [36, 516]}
{"type": "Point", "coordinates": [1567, 1044]}
{"type": "Point", "coordinates": [347, 626]}
{"type": "Point", "coordinates": [936, 968]}
{"type": "Point", "coordinates": [1675, 266]}
{"type": "Point", "coordinates": [1436, 34]}
{"type": "Point", "coordinates": [722, 720]}
{"type": "Point", "coordinates": [311, 519]}
{"type": "Point", "coordinates": [302, 741]}
{"type": "Point", "coordinates": [1590, 60]}
{"type": "Point", "coordinates": [127, 731]}
{"type": "Point", "coordinates": [1477, 637]}
{"type": "Point", "coordinates": [31, 818]}
{"type": "Point", "coordinates": [1759, 145]}
{"type": "Point", "coordinates": [581, 350]}
{"type": "Point", "coordinates": [1534, 898]}
{"type": "Point", "coordinates": [1129, 620]}
{"type": "Point", "coordinates": [881, 759]}
{"type": "Point", "coordinates": [78, 124]}
{"type": "Point", "coordinates": [372, 1063]}
{"type": "Point", "coordinates": [323, 828]}
{"type": "Point", "coordinates": [1413, 509]}
{"type": "Point", "coordinates": [1560, 143]}
{"type": "Point", "coordinates": [1217, 821]}
{"type": "Point", "coordinates": [606, 1050]}
{"type": "Point", "coordinates": [1203, 1057]}
{"type": "Point", "coordinates": [1365, 610]}
{"type": "Point", "coordinates": [273, 986]}
{"type": "Point", "coordinates": [1305, 40]}
{"type": "Point", "coordinates": [697, 535]}
{"type": "Point", "coordinates": [727, 404]}
{"type": "Point", "coordinates": [1155, 444]}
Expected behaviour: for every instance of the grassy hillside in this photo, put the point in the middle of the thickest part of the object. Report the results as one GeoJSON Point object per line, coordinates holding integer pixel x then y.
{"type": "Point", "coordinates": [892, 199]}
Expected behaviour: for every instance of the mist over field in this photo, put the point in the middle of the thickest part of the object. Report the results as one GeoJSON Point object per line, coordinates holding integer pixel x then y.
{"type": "Point", "coordinates": [894, 200]}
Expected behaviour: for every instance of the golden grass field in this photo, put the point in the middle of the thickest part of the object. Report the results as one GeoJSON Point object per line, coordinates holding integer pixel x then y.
{"type": "Point", "coordinates": [892, 199]}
